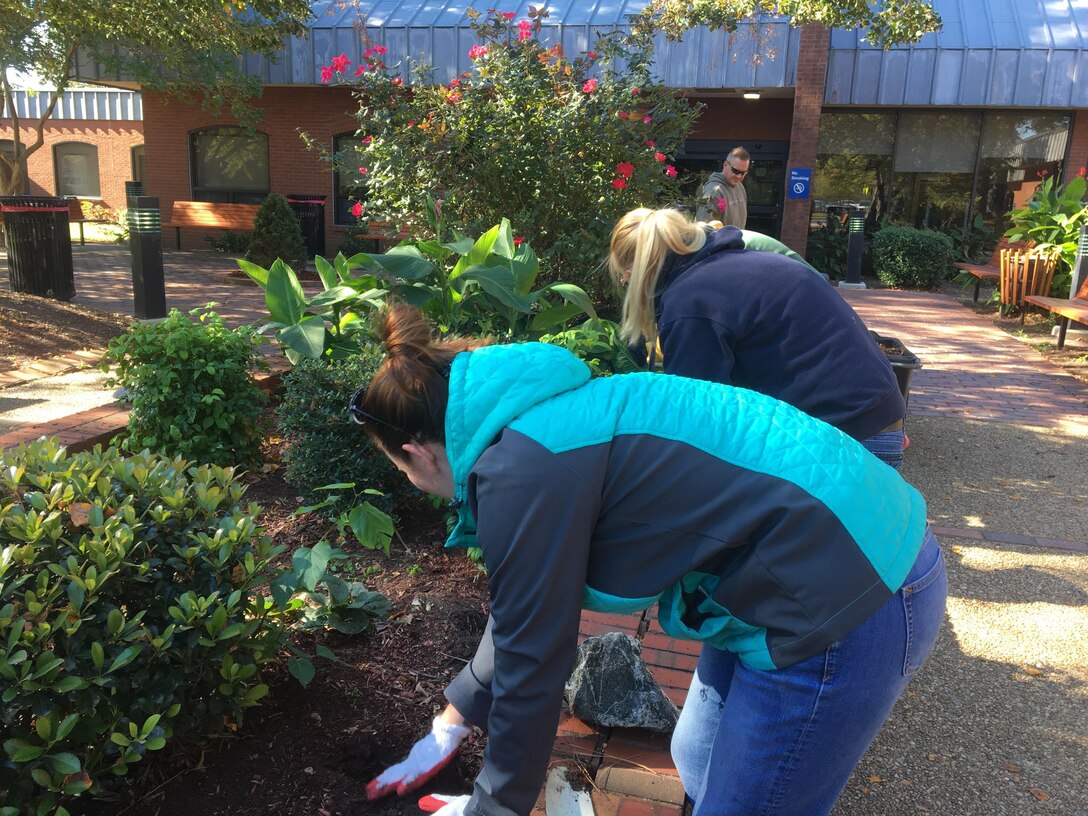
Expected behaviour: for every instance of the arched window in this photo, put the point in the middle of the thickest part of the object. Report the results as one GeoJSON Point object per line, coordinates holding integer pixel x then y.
{"type": "Point", "coordinates": [76, 166]}
{"type": "Point", "coordinates": [347, 185]}
{"type": "Point", "coordinates": [228, 164]}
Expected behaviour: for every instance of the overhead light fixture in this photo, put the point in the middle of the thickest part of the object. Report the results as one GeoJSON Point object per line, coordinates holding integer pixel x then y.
{"type": "Point", "coordinates": [751, 95]}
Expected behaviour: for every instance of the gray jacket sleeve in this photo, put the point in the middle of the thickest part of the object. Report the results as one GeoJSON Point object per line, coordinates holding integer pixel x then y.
{"type": "Point", "coordinates": [470, 691]}
{"type": "Point", "coordinates": [535, 515]}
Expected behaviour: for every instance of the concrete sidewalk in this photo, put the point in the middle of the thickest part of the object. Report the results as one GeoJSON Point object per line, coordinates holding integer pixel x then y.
{"type": "Point", "coordinates": [996, 722]}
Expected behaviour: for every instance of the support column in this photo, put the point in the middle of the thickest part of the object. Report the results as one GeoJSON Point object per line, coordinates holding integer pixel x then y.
{"type": "Point", "coordinates": [807, 103]}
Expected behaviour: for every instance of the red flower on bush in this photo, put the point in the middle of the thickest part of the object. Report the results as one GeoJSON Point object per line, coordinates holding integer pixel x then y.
{"type": "Point", "coordinates": [592, 55]}
{"type": "Point", "coordinates": [397, 81]}
{"type": "Point", "coordinates": [590, 86]}
{"type": "Point", "coordinates": [625, 169]}
{"type": "Point", "coordinates": [524, 30]}
{"type": "Point", "coordinates": [326, 73]}
{"type": "Point", "coordinates": [454, 83]}
{"type": "Point", "coordinates": [650, 143]}
{"type": "Point", "coordinates": [454, 98]}
{"type": "Point", "coordinates": [1083, 171]}
{"type": "Point", "coordinates": [360, 69]}
{"type": "Point", "coordinates": [659, 156]}
{"type": "Point", "coordinates": [636, 91]}
{"type": "Point", "coordinates": [518, 240]}
{"type": "Point", "coordinates": [721, 204]}
{"type": "Point", "coordinates": [367, 139]}
{"type": "Point", "coordinates": [509, 15]}
{"type": "Point", "coordinates": [477, 51]}
{"type": "Point", "coordinates": [357, 210]}
{"type": "Point", "coordinates": [340, 64]}
{"type": "Point", "coordinates": [380, 49]}
{"type": "Point", "coordinates": [362, 171]}
{"type": "Point", "coordinates": [618, 184]}
{"type": "Point", "coordinates": [621, 114]}
{"type": "Point", "coordinates": [647, 119]}
{"type": "Point", "coordinates": [670, 171]}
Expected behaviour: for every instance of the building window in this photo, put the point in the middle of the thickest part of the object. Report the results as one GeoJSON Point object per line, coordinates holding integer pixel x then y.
{"type": "Point", "coordinates": [853, 168]}
{"type": "Point", "coordinates": [76, 165]}
{"type": "Point", "coordinates": [139, 163]}
{"type": "Point", "coordinates": [229, 164]}
{"type": "Point", "coordinates": [347, 184]}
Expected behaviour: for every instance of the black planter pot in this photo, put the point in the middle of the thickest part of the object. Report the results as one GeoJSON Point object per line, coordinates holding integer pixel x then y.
{"type": "Point", "coordinates": [904, 362]}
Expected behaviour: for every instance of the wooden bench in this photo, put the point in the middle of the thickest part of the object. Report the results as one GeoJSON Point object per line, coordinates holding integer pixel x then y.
{"type": "Point", "coordinates": [1074, 308]}
{"type": "Point", "coordinates": [76, 216]}
{"type": "Point", "coordinates": [381, 232]}
{"type": "Point", "coordinates": [210, 215]}
{"type": "Point", "coordinates": [991, 270]}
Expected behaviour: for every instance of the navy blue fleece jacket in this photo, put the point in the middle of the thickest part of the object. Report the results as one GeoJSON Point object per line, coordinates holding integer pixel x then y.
{"type": "Point", "coordinates": [762, 321]}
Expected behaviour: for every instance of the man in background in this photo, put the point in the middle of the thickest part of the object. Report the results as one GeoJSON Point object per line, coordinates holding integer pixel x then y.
{"type": "Point", "coordinates": [723, 197]}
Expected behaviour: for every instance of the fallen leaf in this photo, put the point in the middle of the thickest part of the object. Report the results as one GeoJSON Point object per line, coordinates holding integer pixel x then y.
{"type": "Point", "coordinates": [1014, 498]}
{"type": "Point", "coordinates": [1012, 767]}
{"type": "Point", "coordinates": [1040, 794]}
{"type": "Point", "coordinates": [876, 778]}
{"type": "Point", "coordinates": [78, 513]}
{"type": "Point", "coordinates": [1032, 672]}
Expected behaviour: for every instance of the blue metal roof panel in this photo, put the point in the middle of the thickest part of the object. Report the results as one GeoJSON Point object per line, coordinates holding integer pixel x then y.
{"type": "Point", "coordinates": [91, 104]}
{"type": "Point", "coordinates": [996, 53]}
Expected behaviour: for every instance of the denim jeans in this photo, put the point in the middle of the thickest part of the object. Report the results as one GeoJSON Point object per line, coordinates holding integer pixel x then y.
{"type": "Point", "coordinates": [887, 446]}
{"type": "Point", "coordinates": [772, 743]}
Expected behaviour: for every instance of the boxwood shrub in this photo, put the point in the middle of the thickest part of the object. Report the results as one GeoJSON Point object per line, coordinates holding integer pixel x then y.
{"type": "Point", "coordinates": [130, 608]}
{"type": "Point", "coordinates": [322, 445]}
{"type": "Point", "coordinates": [912, 258]}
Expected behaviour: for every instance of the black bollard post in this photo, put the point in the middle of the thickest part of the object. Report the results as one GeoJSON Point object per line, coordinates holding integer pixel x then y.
{"type": "Point", "coordinates": [854, 250]}
{"type": "Point", "coordinates": [145, 242]}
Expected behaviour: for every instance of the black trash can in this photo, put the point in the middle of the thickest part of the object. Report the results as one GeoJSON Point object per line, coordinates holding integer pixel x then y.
{"type": "Point", "coordinates": [310, 212]}
{"type": "Point", "coordinates": [39, 245]}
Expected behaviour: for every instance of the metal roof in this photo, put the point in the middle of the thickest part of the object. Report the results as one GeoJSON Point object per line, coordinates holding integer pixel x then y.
{"type": "Point", "coordinates": [437, 32]}
{"type": "Point", "coordinates": [990, 53]}
{"type": "Point", "coordinates": [96, 103]}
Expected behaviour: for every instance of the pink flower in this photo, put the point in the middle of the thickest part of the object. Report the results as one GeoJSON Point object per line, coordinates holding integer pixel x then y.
{"type": "Point", "coordinates": [454, 98]}
{"type": "Point", "coordinates": [326, 73]}
{"type": "Point", "coordinates": [362, 171]}
{"type": "Point", "coordinates": [477, 51]}
{"type": "Point", "coordinates": [518, 240]}
{"type": "Point", "coordinates": [659, 156]}
{"type": "Point", "coordinates": [380, 49]}
{"type": "Point", "coordinates": [1083, 171]}
{"type": "Point", "coordinates": [625, 169]}
{"type": "Point", "coordinates": [590, 86]}
{"type": "Point", "coordinates": [411, 124]}
{"type": "Point", "coordinates": [357, 210]}
{"type": "Point", "coordinates": [622, 114]}
{"type": "Point", "coordinates": [650, 143]}
{"type": "Point", "coordinates": [509, 15]}
{"type": "Point", "coordinates": [397, 81]}
{"type": "Point", "coordinates": [647, 119]}
{"type": "Point", "coordinates": [1043, 173]}
{"type": "Point", "coordinates": [721, 204]}
{"type": "Point", "coordinates": [454, 83]}
{"type": "Point", "coordinates": [635, 91]}
{"type": "Point", "coordinates": [360, 69]}
{"type": "Point", "coordinates": [367, 53]}
{"type": "Point", "coordinates": [670, 171]}
{"type": "Point", "coordinates": [367, 139]}
{"type": "Point", "coordinates": [524, 30]}
{"type": "Point", "coordinates": [340, 64]}
{"type": "Point", "coordinates": [618, 184]}
{"type": "Point", "coordinates": [592, 55]}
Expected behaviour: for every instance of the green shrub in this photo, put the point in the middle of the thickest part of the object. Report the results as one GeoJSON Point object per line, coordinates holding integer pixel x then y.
{"type": "Point", "coordinates": [323, 445]}
{"type": "Point", "coordinates": [912, 258]}
{"type": "Point", "coordinates": [190, 386]}
{"type": "Point", "coordinates": [131, 606]}
{"type": "Point", "coordinates": [276, 234]}
{"type": "Point", "coordinates": [599, 345]}
{"type": "Point", "coordinates": [230, 243]}
{"type": "Point", "coordinates": [353, 246]}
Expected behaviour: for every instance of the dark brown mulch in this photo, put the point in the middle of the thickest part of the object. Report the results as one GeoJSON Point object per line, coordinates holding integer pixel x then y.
{"type": "Point", "coordinates": [310, 752]}
{"type": "Point", "coordinates": [33, 327]}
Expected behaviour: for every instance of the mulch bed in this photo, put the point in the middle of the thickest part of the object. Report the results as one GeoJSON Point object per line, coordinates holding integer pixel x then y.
{"type": "Point", "coordinates": [33, 327]}
{"type": "Point", "coordinates": [312, 751]}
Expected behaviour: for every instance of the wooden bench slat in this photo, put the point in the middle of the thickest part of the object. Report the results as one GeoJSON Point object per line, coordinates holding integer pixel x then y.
{"type": "Point", "coordinates": [1074, 308]}
{"type": "Point", "coordinates": [211, 215]}
{"type": "Point", "coordinates": [991, 270]}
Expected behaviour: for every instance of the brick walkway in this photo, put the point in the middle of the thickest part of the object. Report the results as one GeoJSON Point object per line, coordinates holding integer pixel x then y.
{"type": "Point", "coordinates": [971, 370]}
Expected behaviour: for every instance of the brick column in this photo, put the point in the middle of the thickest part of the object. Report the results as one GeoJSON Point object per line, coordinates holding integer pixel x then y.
{"type": "Point", "coordinates": [1078, 145]}
{"type": "Point", "coordinates": [807, 101]}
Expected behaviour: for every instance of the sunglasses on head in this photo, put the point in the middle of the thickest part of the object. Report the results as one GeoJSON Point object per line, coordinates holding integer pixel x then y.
{"type": "Point", "coordinates": [361, 417]}
{"type": "Point", "coordinates": [736, 172]}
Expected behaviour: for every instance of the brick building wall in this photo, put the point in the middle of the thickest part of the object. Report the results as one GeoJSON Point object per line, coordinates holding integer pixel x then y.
{"type": "Point", "coordinates": [114, 140]}
{"type": "Point", "coordinates": [1078, 145]}
{"type": "Point", "coordinates": [807, 103]}
{"type": "Point", "coordinates": [744, 120]}
{"type": "Point", "coordinates": [322, 113]}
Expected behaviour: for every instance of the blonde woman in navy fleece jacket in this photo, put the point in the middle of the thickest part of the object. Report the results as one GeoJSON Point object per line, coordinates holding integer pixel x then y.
{"type": "Point", "coordinates": [757, 320]}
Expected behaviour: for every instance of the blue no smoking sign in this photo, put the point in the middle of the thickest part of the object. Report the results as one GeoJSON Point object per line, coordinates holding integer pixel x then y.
{"type": "Point", "coordinates": [800, 181]}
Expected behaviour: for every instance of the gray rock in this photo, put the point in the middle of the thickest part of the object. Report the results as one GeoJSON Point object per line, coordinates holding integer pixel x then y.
{"type": "Point", "coordinates": [611, 686]}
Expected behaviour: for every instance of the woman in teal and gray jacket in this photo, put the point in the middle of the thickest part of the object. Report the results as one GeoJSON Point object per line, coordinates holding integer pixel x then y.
{"type": "Point", "coordinates": [765, 533]}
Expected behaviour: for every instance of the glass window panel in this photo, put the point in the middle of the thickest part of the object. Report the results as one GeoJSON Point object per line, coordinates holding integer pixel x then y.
{"type": "Point", "coordinates": [76, 166]}
{"type": "Point", "coordinates": [347, 183]}
{"type": "Point", "coordinates": [858, 134]}
{"type": "Point", "coordinates": [853, 168]}
{"type": "Point", "coordinates": [230, 160]}
{"type": "Point", "coordinates": [932, 142]}
{"type": "Point", "coordinates": [931, 200]}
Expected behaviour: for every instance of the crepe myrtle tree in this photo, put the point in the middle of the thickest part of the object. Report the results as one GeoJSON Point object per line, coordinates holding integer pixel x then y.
{"type": "Point", "coordinates": [187, 47]}
{"type": "Point", "coordinates": [561, 144]}
{"type": "Point", "coordinates": [889, 22]}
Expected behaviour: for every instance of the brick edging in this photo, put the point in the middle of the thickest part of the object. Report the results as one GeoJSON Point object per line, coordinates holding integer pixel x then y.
{"type": "Point", "coordinates": [51, 366]}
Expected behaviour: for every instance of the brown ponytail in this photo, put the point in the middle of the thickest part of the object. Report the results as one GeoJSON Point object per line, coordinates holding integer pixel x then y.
{"type": "Point", "coordinates": [406, 399]}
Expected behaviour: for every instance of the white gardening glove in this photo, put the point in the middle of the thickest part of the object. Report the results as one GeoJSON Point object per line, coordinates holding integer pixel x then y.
{"type": "Point", "coordinates": [442, 805]}
{"type": "Point", "coordinates": [427, 757]}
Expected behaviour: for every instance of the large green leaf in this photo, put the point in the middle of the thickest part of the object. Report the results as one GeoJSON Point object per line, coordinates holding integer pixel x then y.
{"type": "Point", "coordinates": [504, 241]}
{"type": "Point", "coordinates": [406, 262]}
{"type": "Point", "coordinates": [305, 338]}
{"type": "Point", "coordinates": [327, 272]}
{"type": "Point", "coordinates": [554, 317]}
{"type": "Point", "coordinates": [258, 273]}
{"type": "Point", "coordinates": [332, 297]}
{"type": "Point", "coordinates": [283, 295]}
{"type": "Point", "coordinates": [416, 294]}
{"type": "Point", "coordinates": [371, 526]}
{"type": "Point", "coordinates": [572, 294]}
{"type": "Point", "coordinates": [479, 252]}
{"type": "Point", "coordinates": [499, 284]}
{"type": "Point", "coordinates": [310, 564]}
{"type": "Point", "coordinates": [526, 267]}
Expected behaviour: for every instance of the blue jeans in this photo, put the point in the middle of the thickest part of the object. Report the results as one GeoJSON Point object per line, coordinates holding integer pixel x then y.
{"type": "Point", "coordinates": [772, 743]}
{"type": "Point", "coordinates": [887, 446]}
